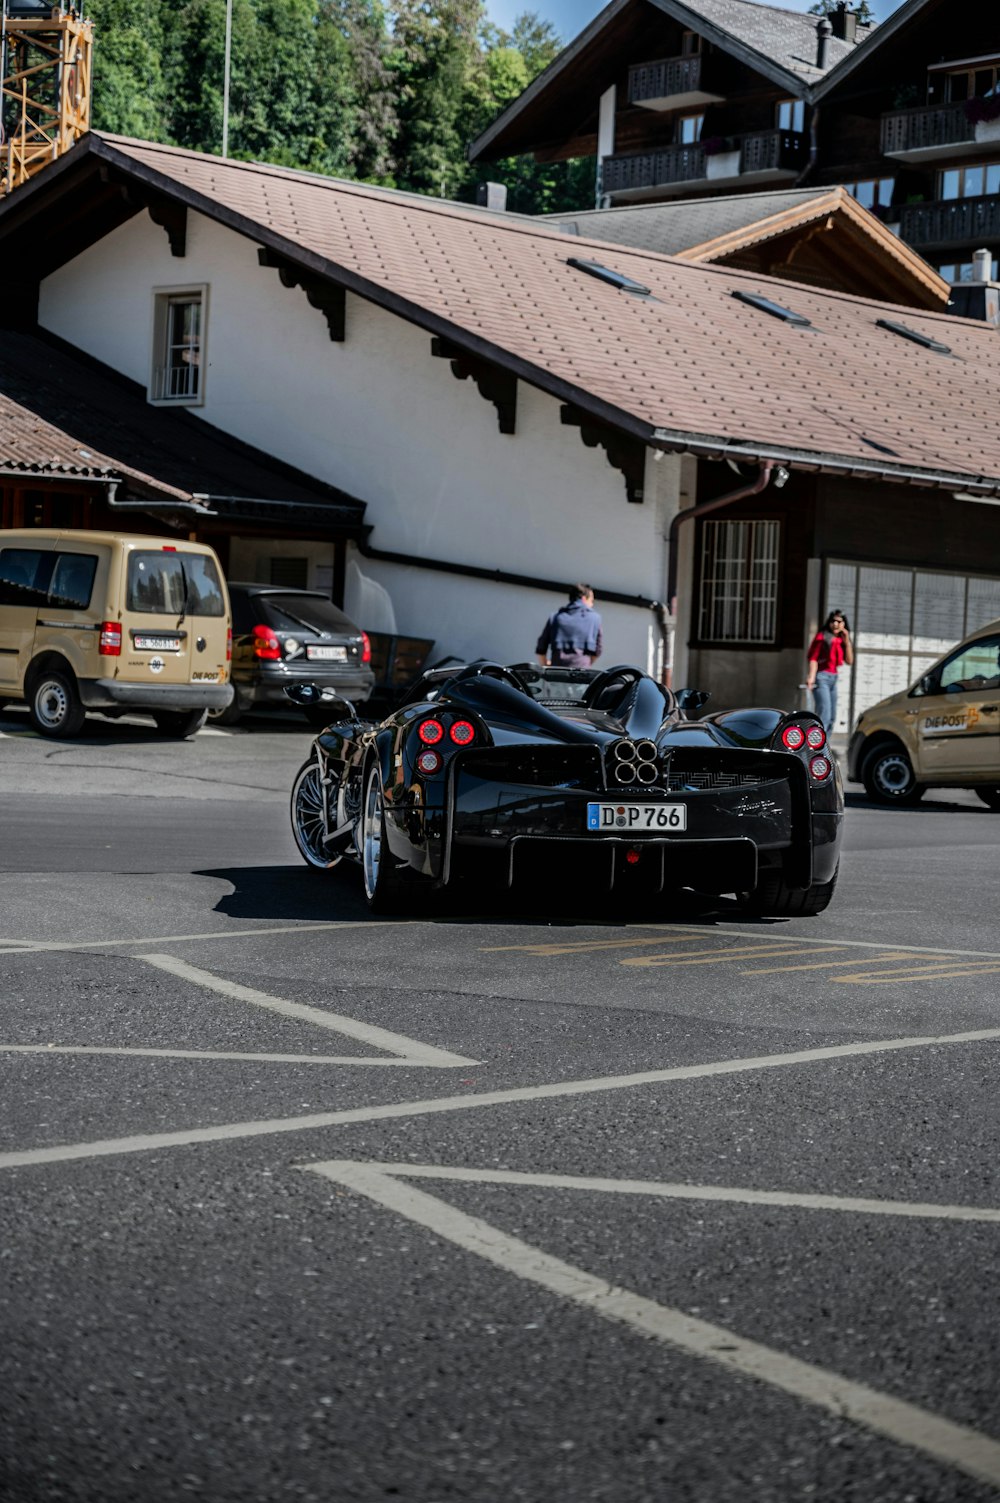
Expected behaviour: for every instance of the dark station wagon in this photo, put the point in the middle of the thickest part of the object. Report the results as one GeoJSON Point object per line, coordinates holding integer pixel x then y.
{"type": "Point", "coordinates": [282, 636]}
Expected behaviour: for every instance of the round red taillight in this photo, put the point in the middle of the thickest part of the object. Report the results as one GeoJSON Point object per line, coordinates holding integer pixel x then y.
{"type": "Point", "coordinates": [821, 768]}
{"type": "Point", "coordinates": [816, 738]}
{"type": "Point", "coordinates": [429, 762]}
{"type": "Point", "coordinates": [265, 644]}
{"type": "Point", "coordinates": [462, 733]}
{"type": "Point", "coordinates": [794, 737]}
{"type": "Point", "coordinates": [431, 732]}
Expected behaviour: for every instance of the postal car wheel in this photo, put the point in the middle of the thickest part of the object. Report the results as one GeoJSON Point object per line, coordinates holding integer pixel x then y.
{"type": "Point", "coordinates": [381, 883]}
{"type": "Point", "coordinates": [889, 778]}
{"type": "Point", "coordinates": [55, 706]}
{"type": "Point", "coordinates": [308, 825]}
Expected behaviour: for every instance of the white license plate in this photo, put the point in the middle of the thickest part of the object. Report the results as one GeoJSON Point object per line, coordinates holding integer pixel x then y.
{"type": "Point", "coordinates": [157, 644]}
{"type": "Point", "coordinates": [327, 654]}
{"type": "Point", "coordinates": [636, 819]}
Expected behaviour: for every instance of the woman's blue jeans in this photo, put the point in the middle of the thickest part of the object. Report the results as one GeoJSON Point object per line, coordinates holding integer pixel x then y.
{"type": "Point", "coordinates": [825, 699]}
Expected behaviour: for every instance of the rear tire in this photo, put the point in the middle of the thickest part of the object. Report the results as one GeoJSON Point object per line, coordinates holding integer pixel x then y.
{"type": "Point", "coordinates": [55, 707]}
{"type": "Point", "coordinates": [382, 883]}
{"type": "Point", "coordinates": [180, 724]}
{"type": "Point", "coordinates": [772, 897]}
{"type": "Point", "coordinates": [888, 776]}
{"type": "Point", "coordinates": [990, 797]}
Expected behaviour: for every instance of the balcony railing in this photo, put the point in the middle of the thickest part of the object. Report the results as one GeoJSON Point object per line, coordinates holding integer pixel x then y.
{"type": "Point", "coordinates": [922, 130]}
{"type": "Point", "coordinates": [664, 79]}
{"type": "Point", "coordinates": [772, 151]}
{"type": "Point", "coordinates": [959, 221]}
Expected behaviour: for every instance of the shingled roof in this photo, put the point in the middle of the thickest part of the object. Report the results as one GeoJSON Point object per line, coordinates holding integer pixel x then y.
{"type": "Point", "coordinates": [785, 37]}
{"type": "Point", "coordinates": [722, 229]}
{"type": "Point", "coordinates": [66, 418]}
{"type": "Point", "coordinates": [690, 366]}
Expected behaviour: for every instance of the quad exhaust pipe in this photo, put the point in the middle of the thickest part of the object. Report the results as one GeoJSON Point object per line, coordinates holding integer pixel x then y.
{"type": "Point", "coordinates": [634, 762]}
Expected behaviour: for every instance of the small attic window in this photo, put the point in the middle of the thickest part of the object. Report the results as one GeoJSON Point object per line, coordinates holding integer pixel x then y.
{"type": "Point", "coordinates": [605, 274]}
{"type": "Point", "coordinates": [776, 310]}
{"type": "Point", "coordinates": [922, 339]}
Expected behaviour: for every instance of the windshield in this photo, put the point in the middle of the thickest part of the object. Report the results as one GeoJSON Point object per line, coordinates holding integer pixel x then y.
{"type": "Point", "coordinates": [293, 611]}
{"type": "Point", "coordinates": [174, 584]}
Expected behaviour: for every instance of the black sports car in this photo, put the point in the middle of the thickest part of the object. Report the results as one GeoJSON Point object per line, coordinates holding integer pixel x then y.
{"type": "Point", "coordinates": [566, 780]}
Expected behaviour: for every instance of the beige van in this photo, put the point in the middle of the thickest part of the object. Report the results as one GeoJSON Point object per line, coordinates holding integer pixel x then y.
{"type": "Point", "coordinates": [103, 621]}
{"type": "Point", "coordinates": [942, 732]}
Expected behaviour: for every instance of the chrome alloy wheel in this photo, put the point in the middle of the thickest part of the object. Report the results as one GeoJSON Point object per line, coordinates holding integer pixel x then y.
{"type": "Point", "coordinates": [371, 834]}
{"type": "Point", "coordinates": [308, 823]}
{"type": "Point", "coordinates": [52, 704]}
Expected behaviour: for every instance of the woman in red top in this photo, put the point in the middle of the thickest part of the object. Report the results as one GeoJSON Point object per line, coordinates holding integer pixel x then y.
{"type": "Point", "coordinates": [831, 647]}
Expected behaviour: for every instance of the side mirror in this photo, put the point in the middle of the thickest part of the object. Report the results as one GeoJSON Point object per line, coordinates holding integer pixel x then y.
{"type": "Point", "coordinates": [303, 694]}
{"type": "Point", "coordinates": [692, 700]}
{"type": "Point", "coordinates": [927, 684]}
{"type": "Point", "coordinates": [311, 696]}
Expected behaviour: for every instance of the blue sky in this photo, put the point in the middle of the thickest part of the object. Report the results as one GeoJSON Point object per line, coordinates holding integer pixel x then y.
{"type": "Point", "coordinates": [571, 16]}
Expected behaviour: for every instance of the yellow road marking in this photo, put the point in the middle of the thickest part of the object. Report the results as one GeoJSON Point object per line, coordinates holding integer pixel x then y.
{"type": "Point", "coordinates": [825, 965]}
{"type": "Point", "coordinates": [583, 946]}
{"type": "Point", "coordinates": [693, 957]}
{"type": "Point", "coordinates": [933, 973]}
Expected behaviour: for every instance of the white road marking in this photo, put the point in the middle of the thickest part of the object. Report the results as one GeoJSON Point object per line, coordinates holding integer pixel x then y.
{"type": "Point", "coordinates": [213, 1054]}
{"type": "Point", "coordinates": [409, 1049]}
{"type": "Point", "coordinates": [229, 1132]}
{"type": "Point", "coordinates": [665, 1191]}
{"type": "Point", "coordinates": [919, 1429]}
{"type": "Point", "coordinates": [11, 946]}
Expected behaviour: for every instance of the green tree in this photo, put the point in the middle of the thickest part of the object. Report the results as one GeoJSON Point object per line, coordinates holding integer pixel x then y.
{"type": "Point", "coordinates": [435, 60]}
{"type": "Point", "coordinates": [128, 85]}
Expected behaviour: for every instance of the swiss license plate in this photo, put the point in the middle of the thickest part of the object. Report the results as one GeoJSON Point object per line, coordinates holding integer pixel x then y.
{"type": "Point", "coordinates": [635, 819]}
{"type": "Point", "coordinates": [327, 654]}
{"type": "Point", "coordinates": [156, 644]}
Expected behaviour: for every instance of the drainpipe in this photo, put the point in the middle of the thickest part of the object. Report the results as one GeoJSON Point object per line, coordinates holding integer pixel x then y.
{"type": "Point", "coordinates": [813, 146]}
{"type": "Point", "coordinates": [744, 493]}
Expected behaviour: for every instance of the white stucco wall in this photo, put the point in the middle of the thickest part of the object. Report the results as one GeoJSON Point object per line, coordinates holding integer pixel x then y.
{"type": "Point", "coordinates": [381, 418]}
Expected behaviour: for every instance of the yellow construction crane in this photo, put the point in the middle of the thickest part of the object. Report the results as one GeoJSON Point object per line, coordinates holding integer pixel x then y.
{"type": "Point", "coordinates": [45, 73]}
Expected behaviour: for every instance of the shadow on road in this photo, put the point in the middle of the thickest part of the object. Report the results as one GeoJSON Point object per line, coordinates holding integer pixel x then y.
{"type": "Point", "coordinates": [304, 894]}
{"type": "Point", "coordinates": [929, 805]}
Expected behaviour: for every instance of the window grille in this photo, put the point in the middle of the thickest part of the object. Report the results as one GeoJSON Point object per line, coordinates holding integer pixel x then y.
{"type": "Point", "coordinates": [739, 581]}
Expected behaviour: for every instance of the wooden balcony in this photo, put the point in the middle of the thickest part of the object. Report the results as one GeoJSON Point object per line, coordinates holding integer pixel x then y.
{"type": "Point", "coordinates": [958, 223]}
{"type": "Point", "coordinates": [671, 83]}
{"type": "Point", "coordinates": [771, 156]}
{"type": "Point", "coordinates": [927, 135]}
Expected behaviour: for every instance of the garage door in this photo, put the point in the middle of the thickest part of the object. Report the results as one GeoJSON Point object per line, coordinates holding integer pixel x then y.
{"type": "Point", "coordinates": [902, 620]}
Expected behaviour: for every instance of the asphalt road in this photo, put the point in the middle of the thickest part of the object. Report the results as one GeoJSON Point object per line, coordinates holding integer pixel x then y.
{"type": "Point", "coordinates": [488, 1205]}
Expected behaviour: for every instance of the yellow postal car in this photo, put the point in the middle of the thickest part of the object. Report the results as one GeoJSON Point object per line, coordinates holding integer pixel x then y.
{"type": "Point", "coordinates": [943, 732]}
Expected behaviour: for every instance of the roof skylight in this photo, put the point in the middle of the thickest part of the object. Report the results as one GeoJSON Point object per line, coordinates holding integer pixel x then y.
{"type": "Point", "coordinates": [906, 333]}
{"type": "Point", "coordinates": [605, 274]}
{"type": "Point", "coordinates": [776, 310]}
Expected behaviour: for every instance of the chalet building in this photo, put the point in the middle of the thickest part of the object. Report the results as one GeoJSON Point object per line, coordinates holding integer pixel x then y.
{"type": "Point", "coordinates": [680, 99]}
{"type": "Point", "coordinates": [444, 416]}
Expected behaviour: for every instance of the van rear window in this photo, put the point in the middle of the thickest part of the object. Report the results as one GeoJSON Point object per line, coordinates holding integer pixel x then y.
{"type": "Point", "coordinates": [174, 584]}
{"type": "Point", "coordinates": [23, 576]}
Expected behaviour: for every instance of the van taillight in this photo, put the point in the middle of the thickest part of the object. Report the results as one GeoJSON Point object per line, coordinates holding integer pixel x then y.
{"type": "Point", "coordinates": [229, 645]}
{"type": "Point", "coordinates": [265, 643]}
{"type": "Point", "coordinates": [366, 648]}
{"type": "Point", "coordinates": [111, 639]}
